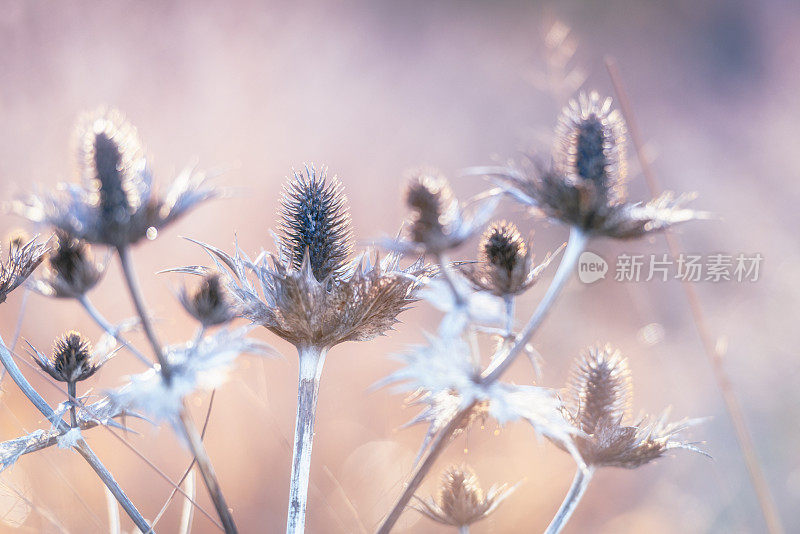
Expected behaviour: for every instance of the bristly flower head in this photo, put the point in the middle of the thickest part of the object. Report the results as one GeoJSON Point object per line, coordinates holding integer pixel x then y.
{"type": "Point", "coordinates": [70, 271]}
{"type": "Point", "coordinates": [601, 395]}
{"type": "Point", "coordinates": [209, 303]}
{"type": "Point", "coordinates": [438, 221]}
{"type": "Point", "coordinates": [505, 266]}
{"type": "Point", "coordinates": [22, 260]}
{"type": "Point", "coordinates": [311, 292]}
{"type": "Point", "coordinates": [114, 204]}
{"type": "Point", "coordinates": [461, 501]}
{"type": "Point", "coordinates": [585, 187]}
{"type": "Point", "coordinates": [315, 222]}
{"type": "Point", "coordinates": [72, 359]}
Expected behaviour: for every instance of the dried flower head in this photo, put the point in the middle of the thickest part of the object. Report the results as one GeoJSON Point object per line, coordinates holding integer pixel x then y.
{"type": "Point", "coordinates": [22, 260]}
{"type": "Point", "coordinates": [70, 271]}
{"type": "Point", "coordinates": [71, 360]}
{"type": "Point", "coordinates": [585, 186]}
{"type": "Point", "coordinates": [438, 222]}
{"type": "Point", "coordinates": [601, 395]}
{"type": "Point", "coordinates": [114, 204]}
{"type": "Point", "coordinates": [209, 302]}
{"type": "Point", "coordinates": [327, 298]}
{"type": "Point", "coordinates": [505, 266]}
{"type": "Point", "coordinates": [461, 501]}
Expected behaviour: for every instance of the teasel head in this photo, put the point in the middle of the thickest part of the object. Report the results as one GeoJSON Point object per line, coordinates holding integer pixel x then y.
{"type": "Point", "coordinates": [461, 501]}
{"type": "Point", "coordinates": [209, 302]}
{"type": "Point", "coordinates": [115, 203]}
{"type": "Point", "coordinates": [70, 271]}
{"type": "Point", "coordinates": [585, 185]}
{"type": "Point", "coordinates": [505, 262]}
{"type": "Point", "coordinates": [23, 257]}
{"type": "Point", "coordinates": [601, 394]}
{"type": "Point", "coordinates": [71, 360]}
{"type": "Point", "coordinates": [315, 223]}
{"type": "Point", "coordinates": [438, 222]}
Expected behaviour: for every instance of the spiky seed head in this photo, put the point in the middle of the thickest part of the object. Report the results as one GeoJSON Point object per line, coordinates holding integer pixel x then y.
{"type": "Point", "coordinates": [503, 247]}
{"type": "Point", "coordinates": [210, 303]}
{"type": "Point", "coordinates": [590, 144]}
{"type": "Point", "coordinates": [71, 360]}
{"type": "Point", "coordinates": [22, 259]}
{"type": "Point", "coordinates": [71, 269]}
{"type": "Point", "coordinates": [601, 388]}
{"type": "Point", "coordinates": [109, 152]}
{"type": "Point", "coordinates": [433, 204]}
{"type": "Point", "coordinates": [315, 223]}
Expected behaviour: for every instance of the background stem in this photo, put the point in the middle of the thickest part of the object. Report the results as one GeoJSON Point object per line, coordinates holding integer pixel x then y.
{"type": "Point", "coordinates": [579, 484]}
{"type": "Point", "coordinates": [72, 388]}
{"type": "Point", "coordinates": [312, 360]}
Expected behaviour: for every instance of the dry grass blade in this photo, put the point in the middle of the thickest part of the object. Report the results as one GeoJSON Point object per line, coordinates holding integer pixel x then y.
{"type": "Point", "coordinates": [113, 513]}
{"type": "Point", "coordinates": [766, 501]}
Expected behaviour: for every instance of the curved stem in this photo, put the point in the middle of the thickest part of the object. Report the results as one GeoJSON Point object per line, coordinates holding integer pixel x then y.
{"type": "Point", "coordinates": [109, 328]}
{"type": "Point", "coordinates": [579, 484]}
{"type": "Point", "coordinates": [184, 421]}
{"type": "Point", "coordinates": [82, 447]}
{"type": "Point", "coordinates": [312, 360]}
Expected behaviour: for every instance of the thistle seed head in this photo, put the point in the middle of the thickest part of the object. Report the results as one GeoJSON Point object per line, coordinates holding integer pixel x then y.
{"type": "Point", "coordinates": [503, 247]}
{"type": "Point", "coordinates": [71, 360]}
{"type": "Point", "coordinates": [434, 208]}
{"type": "Point", "coordinates": [109, 155]}
{"type": "Point", "coordinates": [461, 501]}
{"type": "Point", "coordinates": [590, 145]}
{"type": "Point", "coordinates": [315, 223]}
{"type": "Point", "coordinates": [71, 270]}
{"type": "Point", "coordinates": [209, 303]}
{"type": "Point", "coordinates": [601, 387]}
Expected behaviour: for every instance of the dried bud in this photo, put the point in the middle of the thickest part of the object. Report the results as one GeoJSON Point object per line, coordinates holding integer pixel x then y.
{"type": "Point", "coordinates": [601, 393]}
{"type": "Point", "coordinates": [461, 501]}
{"type": "Point", "coordinates": [210, 302]}
{"type": "Point", "coordinates": [315, 223]}
{"type": "Point", "coordinates": [590, 145]}
{"type": "Point", "coordinates": [434, 209]}
{"type": "Point", "coordinates": [71, 270]}
{"type": "Point", "coordinates": [71, 360]}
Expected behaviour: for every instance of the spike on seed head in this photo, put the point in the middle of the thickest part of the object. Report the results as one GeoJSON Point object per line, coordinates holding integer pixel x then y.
{"type": "Point", "coordinates": [315, 222]}
{"type": "Point", "coordinates": [502, 246]}
{"type": "Point", "coordinates": [109, 151]}
{"type": "Point", "coordinates": [601, 388]}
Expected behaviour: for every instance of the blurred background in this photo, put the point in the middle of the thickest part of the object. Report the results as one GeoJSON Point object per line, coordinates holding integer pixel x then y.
{"type": "Point", "coordinates": [371, 89]}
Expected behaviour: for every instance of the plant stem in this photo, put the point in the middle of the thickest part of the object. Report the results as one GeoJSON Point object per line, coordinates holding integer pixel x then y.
{"type": "Point", "coordinates": [141, 309]}
{"type": "Point", "coordinates": [436, 449]}
{"type": "Point", "coordinates": [72, 393]}
{"type": "Point", "coordinates": [312, 360]}
{"type": "Point", "coordinates": [577, 243]}
{"type": "Point", "coordinates": [579, 484]}
{"type": "Point", "coordinates": [463, 529]}
{"type": "Point", "coordinates": [109, 328]}
{"type": "Point", "coordinates": [82, 447]}
{"type": "Point", "coordinates": [189, 430]}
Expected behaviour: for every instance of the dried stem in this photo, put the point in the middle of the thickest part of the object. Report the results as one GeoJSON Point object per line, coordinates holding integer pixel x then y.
{"type": "Point", "coordinates": [577, 243]}
{"type": "Point", "coordinates": [187, 425]}
{"type": "Point", "coordinates": [463, 529]}
{"type": "Point", "coordinates": [82, 447]}
{"type": "Point", "coordinates": [579, 484]}
{"type": "Point", "coordinates": [109, 328]}
{"type": "Point", "coordinates": [72, 393]}
{"type": "Point", "coordinates": [765, 499]}
{"type": "Point", "coordinates": [312, 360]}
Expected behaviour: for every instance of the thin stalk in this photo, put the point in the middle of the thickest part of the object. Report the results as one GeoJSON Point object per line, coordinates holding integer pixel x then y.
{"type": "Point", "coordinates": [579, 484]}
{"type": "Point", "coordinates": [312, 360]}
{"type": "Point", "coordinates": [72, 393]}
{"type": "Point", "coordinates": [463, 529]}
{"type": "Point", "coordinates": [449, 276]}
{"type": "Point", "coordinates": [576, 244]}
{"type": "Point", "coordinates": [190, 432]}
{"type": "Point", "coordinates": [109, 328]}
{"type": "Point", "coordinates": [766, 500]}
{"type": "Point", "coordinates": [82, 447]}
